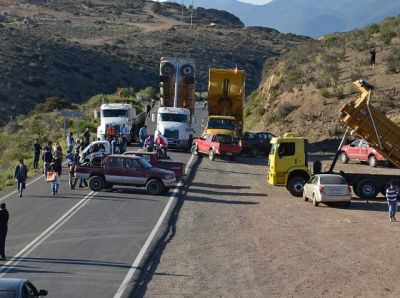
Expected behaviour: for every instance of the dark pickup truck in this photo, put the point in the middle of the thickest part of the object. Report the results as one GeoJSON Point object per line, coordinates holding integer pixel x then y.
{"type": "Point", "coordinates": [177, 167]}
{"type": "Point", "coordinates": [127, 170]}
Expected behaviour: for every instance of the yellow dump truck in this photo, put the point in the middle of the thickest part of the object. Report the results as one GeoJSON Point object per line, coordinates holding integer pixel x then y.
{"type": "Point", "coordinates": [225, 101]}
{"type": "Point", "coordinates": [288, 160]}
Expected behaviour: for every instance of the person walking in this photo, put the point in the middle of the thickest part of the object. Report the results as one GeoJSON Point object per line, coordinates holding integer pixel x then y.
{"type": "Point", "coordinates": [70, 142]}
{"type": "Point", "coordinates": [47, 158]}
{"type": "Point", "coordinates": [373, 57]}
{"type": "Point", "coordinates": [148, 110]}
{"type": "Point", "coordinates": [391, 197]}
{"type": "Point", "coordinates": [20, 174]}
{"type": "Point", "coordinates": [142, 135]}
{"type": "Point", "coordinates": [86, 136]}
{"type": "Point", "coordinates": [56, 167]}
{"type": "Point", "coordinates": [3, 230]}
{"type": "Point", "coordinates": [36, 154]}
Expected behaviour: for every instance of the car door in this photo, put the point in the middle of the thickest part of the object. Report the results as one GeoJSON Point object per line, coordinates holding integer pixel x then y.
{"type": "Point", "coordinates": [363, 150]}
{"type": "Point", "coordinates": [353, 150]}
{"type": "Point", "coordinates": [134, 172]}
{"type": "Point", "coordinates": [115, 170]}
{"type": "Point", "coordinates": [201, 144]}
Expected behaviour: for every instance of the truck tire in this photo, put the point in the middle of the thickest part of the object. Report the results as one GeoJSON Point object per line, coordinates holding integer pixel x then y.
{"type": "Point", "coordinates": [154, 187]}
{"type": "Point", "coordinates": [295, 186]}
{"type": "Point", "coordinates": [344, 158]}
{"type": "Point", "coordinates": [96, 183]}
{"type": "Point", "coordinates": [211, 155]}
{"type": "Point", "coordinates": [366, 189]}
{"type": "Point", "coordinates": [372, 161]}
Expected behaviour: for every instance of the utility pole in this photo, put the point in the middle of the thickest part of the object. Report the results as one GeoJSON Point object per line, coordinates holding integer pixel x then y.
{"type": "Point", "coordinates": [182, 14]}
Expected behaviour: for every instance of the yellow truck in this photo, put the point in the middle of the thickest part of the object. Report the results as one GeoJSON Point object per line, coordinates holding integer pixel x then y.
{"type": "Point", "coordinates": [288, 160]}
{"type": "Point", "coordinates": [226, 89]}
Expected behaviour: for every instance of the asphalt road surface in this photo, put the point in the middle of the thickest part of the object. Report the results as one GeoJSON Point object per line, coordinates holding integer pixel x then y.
{"type": "Point", "coordinates": [79, 243]}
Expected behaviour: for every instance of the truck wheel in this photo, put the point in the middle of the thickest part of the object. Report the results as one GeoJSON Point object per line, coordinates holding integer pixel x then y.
{"type": "Point", "coordinates": [254, 152]}
{"type": "Point", "coordinates": [295, 186]}
{"type": "Point", "coordinates": [195, 150]}
{"type": "Point", "coordinates": [154, 187]}
{"type": "Point", "coordinates": [211, 155]}
{"type": "Point", "coordinates": [96, 183]}
{"type": "Point", "coordinates": [344, 158]}
{"type": "Point", "coordinates": [372, 161]}
{"type": "Point", "coordinates": [366, 189]}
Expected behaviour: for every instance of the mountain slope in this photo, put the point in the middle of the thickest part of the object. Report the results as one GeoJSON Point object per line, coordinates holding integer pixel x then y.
{"type": "Point", "coordinates": [309, 17]}
{"type": "Point", "coordinates": [303, 91]}
{"type": "Point", "coordinates": [76, 49]}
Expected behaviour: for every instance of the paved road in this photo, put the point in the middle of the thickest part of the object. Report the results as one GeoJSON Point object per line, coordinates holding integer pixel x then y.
{"type": "Point", "coordinates": [79, 243]}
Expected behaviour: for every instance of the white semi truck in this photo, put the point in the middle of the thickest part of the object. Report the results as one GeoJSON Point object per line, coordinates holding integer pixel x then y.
{"type": "Point", "coordinates": [175, 117]}
{"type": "Point", "coordinates": [118, 114]}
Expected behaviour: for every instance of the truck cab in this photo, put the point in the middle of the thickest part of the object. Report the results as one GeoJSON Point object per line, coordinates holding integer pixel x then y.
{"type": "Point", "coordinates": [288, 163]}
{"type": "Point", "coordinates": [225, 125]}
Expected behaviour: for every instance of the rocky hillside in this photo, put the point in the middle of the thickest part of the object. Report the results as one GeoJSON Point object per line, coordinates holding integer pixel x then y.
{"type": "Point", "coordinates": [303, 91]}
{"type": "Point", "coordinates": [74, 49]}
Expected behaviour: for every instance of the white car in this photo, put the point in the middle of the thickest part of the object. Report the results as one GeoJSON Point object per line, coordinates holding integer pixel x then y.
{"type": "Point", "coordinates": [325, 188]}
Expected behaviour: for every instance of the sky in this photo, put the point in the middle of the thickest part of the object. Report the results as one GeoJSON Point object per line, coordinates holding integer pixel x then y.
{"type": "Point", "coordinates": [257, 2]}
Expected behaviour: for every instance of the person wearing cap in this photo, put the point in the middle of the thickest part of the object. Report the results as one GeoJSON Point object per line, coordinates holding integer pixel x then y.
{"type": "Point", "coordinates": [3, 230]}
{"type": "Point", "coordinates": [20, 175]}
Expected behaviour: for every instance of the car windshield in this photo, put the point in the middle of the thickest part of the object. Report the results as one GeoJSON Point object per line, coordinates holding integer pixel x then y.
{"type": "Point", "coordinates": [174, 117]}
{"type": "Point", "coordinates": [114, 113]}
{"type": "Point", "coordinates": [228, 124]}
{"type": "Point", "coordinates": [333, 180]}
{"type": "Point", "coordinates": [223, 138]}
{"type": "Point", "coordinates": [144, 163]}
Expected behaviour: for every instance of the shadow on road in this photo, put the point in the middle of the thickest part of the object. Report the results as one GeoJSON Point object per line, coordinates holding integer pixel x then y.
{"type": "Point", "coordinates": [237, 194]}
{"type": "Point", "coordinates": [230, 172]}
{"type": "Point", "coordinates": [211, 200]}
{"type": "Point", "coordinates": [224, 186]}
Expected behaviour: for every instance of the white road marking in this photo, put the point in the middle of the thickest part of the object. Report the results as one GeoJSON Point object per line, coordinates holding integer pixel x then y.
{"type": "Point", "coordinates": [146, 245]}
{"type": "Point", "coordinates": [14, 261]}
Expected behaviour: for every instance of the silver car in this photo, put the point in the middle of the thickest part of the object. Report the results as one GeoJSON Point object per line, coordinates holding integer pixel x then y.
{"type": "Point", "coordinates": [325, 188]}
{"type": "Point", "coordinates": [19, 288]}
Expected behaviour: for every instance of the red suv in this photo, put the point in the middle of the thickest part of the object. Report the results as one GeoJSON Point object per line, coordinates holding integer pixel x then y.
{"type": "Point", "coordinates": [359, 149]}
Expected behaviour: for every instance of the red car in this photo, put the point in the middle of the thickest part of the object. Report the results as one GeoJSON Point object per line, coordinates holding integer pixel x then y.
{"type": "Point", "coordinates": [360, 150]}
{"type": "Point", "coordinates": [216, 144]}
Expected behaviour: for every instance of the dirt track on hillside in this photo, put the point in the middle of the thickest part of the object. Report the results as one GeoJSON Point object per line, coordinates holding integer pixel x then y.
{"type": "Point", "coordinates": [237, 236]}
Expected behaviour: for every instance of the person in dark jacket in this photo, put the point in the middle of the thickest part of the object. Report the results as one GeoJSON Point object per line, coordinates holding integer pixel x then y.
{"type": "Point", "coordinates": [56, 167]}
{"type": "Point", "coordinates": [20, 174]}
{"type": "Point", "coordinates": [47, 158]}
{"type": "Point", "coordinates": [36, 154]}
{"type": "Point", "coordinates": [3, 230]}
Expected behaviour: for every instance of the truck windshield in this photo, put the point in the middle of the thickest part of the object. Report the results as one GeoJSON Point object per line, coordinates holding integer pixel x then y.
{"type": "Point", "coordinates": [144, 163]}
{"type": "Point", "coordinates": [114, 113]}
{"type": "Point", "coordinates": [221, 124]}
{"type": "Point", "coordinates": [174, 117]}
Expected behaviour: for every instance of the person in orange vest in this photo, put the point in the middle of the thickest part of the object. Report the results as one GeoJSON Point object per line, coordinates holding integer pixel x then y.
{"type": "Point", "coordinates": [110, 132]}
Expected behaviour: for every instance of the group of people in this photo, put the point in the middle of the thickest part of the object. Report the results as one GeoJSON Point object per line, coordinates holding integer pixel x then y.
{"type": "Point", "coordinates": [151, 142]}
{"type": "Point", "coordinates": [119, 141]}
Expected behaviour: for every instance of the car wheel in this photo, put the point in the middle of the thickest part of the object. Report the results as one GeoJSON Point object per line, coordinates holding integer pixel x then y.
{"type": "Point", "coordinates": [154, 187]}
{"type": "Point", "coordinates": [344, 158]}
{"type": "Point", "coordinates": [372, 161]}
{"type": "Point", "coordinates": [366, 189]}
{"type": "Point", "coordinates": [195, 150]}
{"type": "Point", "coordinates": [211, 155]}
{"type": "Point", "coordinates": [295, 186]}
{"type": "Point", "coordinates": [315, 202]}
{"type": "Point", "coordinates": [304, 195]}
{"type": "Point", "coordinates": [254, 152]}
{"type": "Point", "coordinates": [96, 183]}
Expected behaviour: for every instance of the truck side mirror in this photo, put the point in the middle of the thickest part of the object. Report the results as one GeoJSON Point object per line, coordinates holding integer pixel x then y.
{"type": "Point", "coordinates": [153, 117]}
{"type": "Point", "coordinates": [96, 114]}
{"type": "Point", "coordinates": [193, 119]}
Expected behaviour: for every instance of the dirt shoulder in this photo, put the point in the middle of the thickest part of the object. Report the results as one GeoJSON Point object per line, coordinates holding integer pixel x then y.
{"type": "Point", "coordinates": [237, 236]}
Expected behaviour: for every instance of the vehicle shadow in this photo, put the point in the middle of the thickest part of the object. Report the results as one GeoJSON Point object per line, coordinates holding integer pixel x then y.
{"type": "Point", "coordinates": [230, 172]}
{"type": "Point", "coordinates": [238, 194]}
{"type": "Point", "coordinates": [224, 186]}
{"type": "Point", "coordinates": [190, 198]}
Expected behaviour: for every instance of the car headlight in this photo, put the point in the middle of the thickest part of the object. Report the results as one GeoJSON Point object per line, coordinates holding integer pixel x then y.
{"type": "Point", "coordinates": [168, 177]}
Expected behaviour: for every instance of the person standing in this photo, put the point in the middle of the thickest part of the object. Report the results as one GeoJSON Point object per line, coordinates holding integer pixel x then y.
{"type": "Point", "coordinates": [391, 197]}
{"type": "Point", "coordinates": [56, 167]}
{"type": "Point", "coordinates": [124, 130]}
{"type": "Point", "coordinates": [47, 158]}
{"type": "Point", "coordinates": [36, 154]}
{"type": "Point", "coordinates": [142, 135]}
{"type": "Point", "coordinates": [110, 132]}
{"type": "Point", "coordinates": [86, 136]}
{"type": "Point", "coordinates": [3, 230]}
{"type": "Point", "coordinates": [148, 110]}
{"type": "Point", "coordinates": [70, 142]}
{"type": "Point", "coordinates": [373, 57]}
{"type": "Point", "coordinates": [20, 174]}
